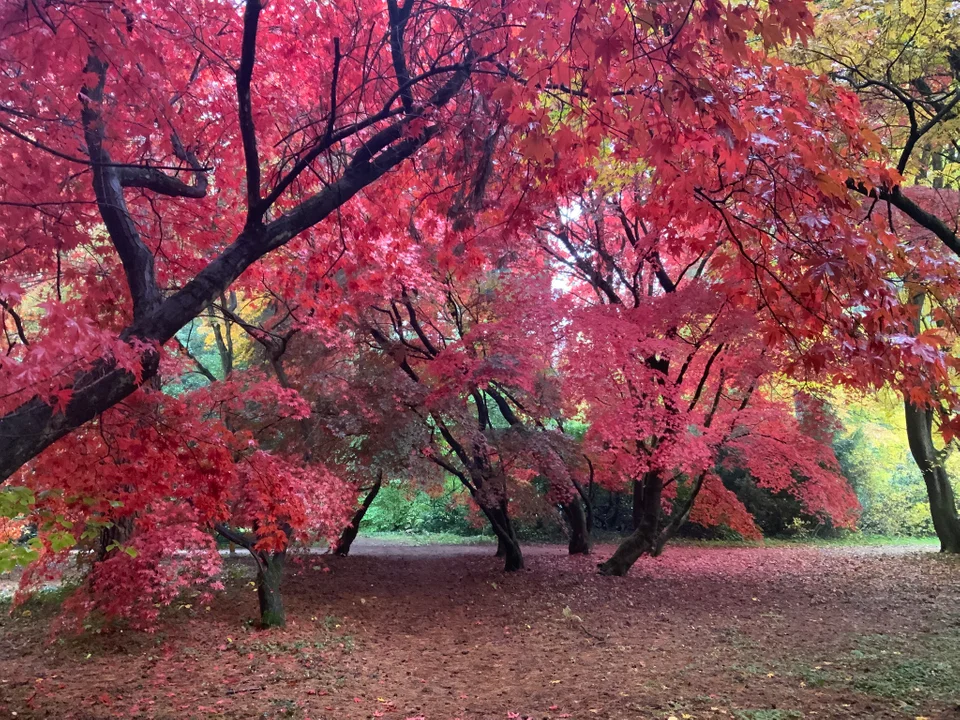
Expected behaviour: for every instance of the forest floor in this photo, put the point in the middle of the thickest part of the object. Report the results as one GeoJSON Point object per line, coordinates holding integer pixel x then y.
{"type": "Point", "coordinates": [439, 632]}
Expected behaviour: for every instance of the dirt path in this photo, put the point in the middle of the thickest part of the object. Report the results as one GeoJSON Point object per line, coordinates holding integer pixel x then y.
{"type": "Point", "coordinates": [439, 632]}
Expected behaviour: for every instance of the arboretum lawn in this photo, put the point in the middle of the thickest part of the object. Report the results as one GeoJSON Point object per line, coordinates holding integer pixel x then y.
{"type": "Point", "coordinates": [402, 630]}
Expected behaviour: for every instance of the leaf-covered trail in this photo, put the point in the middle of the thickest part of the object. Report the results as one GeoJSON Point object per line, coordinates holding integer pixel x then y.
{"type": "Point", "coordinates": [440, 633]}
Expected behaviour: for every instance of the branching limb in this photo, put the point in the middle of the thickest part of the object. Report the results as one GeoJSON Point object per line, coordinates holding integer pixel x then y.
{"type": "Point", "coordinates": [248, 131]}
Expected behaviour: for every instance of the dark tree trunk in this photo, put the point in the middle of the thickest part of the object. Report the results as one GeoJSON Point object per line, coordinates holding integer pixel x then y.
{"type": "Point", "coordinates": [269, 578]}
{"type": "Point", "coordinates": [508, 546]}
{"type": "Point", "coordinates": [117, 534]}
{"type": "Point", "coordinates": [349, 533]}
{"type": "Point", "coordinates": [638, 488]}
{"type": "Point", "coordinates": [587, 503]}
{"type": "Point", "coordinates": [943, 507]}
{"type": "Point", "coordinates": [613, 511]}
{"type": "Point", "coordinates": [579, 532]}
{"type": "Point", "coordinates": [644, 538]}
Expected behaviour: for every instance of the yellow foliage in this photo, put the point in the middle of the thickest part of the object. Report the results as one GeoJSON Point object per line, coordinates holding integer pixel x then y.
{"type": "Point", "coordinates": [888, 50]}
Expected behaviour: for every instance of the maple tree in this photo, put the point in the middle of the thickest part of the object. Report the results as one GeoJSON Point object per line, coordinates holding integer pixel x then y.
{"type": "Point", "coordinates": [931, 293]}
{"type": "Point", "coordinates": [907, 74]}
{"type": "Point", "coordinates": [670, 354]}
{"type": "Point", "coordinates": [144, 95]}
{"type": "Point", "coordinates": [195, 160]}
{"type": "Point", "coordinates": [633, 215]}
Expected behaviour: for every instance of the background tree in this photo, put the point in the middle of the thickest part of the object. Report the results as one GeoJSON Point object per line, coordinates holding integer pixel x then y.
{"type": "Point", "coordinates": [668, 356]}
{"type": "Point", "coordinates": [903, 60]}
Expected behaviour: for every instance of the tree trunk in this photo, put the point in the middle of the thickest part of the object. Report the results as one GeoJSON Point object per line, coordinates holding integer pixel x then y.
{"type": "Point", "coordinates": [579, 531]}
{"type": "Point", "coordinates": [638, 487]}
{"type": "Point", "coordinates": [349, 533]}
{"type": "Point", "coordinates": [587, 498]}
{"type": "Point", "coordinates": [644, 538]}
{"type": "Point", "coordinates": [508, 546]}
{"type": "Point", "coordinates": [269, 576]}
{"type": "Point", "coordinates": [613, 511]}
{"type": "Point", "coordinates": [943, 506]}
{"type": "Point", "coordinates": [117, 534]}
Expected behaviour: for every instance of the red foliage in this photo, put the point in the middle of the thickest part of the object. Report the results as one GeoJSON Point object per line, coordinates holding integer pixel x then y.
{"type": "Point", "coordinates": [632, 215]}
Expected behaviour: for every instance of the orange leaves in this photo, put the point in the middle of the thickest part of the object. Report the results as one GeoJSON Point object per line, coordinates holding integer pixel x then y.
{"type": "Point", "coordinates": [537, 147]}
{"type": "Point", "coordinates": [830, 186]}
{"type": "Point", "coordinates": [934, 337]}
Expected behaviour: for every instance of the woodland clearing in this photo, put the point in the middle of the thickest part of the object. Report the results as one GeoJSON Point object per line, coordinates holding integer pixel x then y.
{"type": "Point", "coordinates": [439, 632]}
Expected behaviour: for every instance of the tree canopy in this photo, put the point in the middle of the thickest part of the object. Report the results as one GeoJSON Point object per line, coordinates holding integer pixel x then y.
{"type": "Point", "coordinates": [428, 240]}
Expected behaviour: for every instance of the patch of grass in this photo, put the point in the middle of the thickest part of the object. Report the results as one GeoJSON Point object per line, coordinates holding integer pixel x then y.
{"type": "Point", "coordinates": [925, 667]}
{"type": "Point", "coordinates": [283, 708]}
{"type": "Point", "coordinates": [856, 539]}
{"type": "Point", "coordinates": [736, 639]}
{"type": "Point", "coordinates": [913, 678]}
{"type": "Point", "coordinates": [817, 677]}
{"type": "Point", "coordinates": [332, 622]}
{"type": "Point", "coordinates": [769, 714]}
{"type": "Point", "coordinates": [850, 539]}
{"type": "Point", "coordinates": [911, 669]}
{"type": "Point", "coordinates": [428, 538]}
{"type": "Point", "coordinates": [750, 669]}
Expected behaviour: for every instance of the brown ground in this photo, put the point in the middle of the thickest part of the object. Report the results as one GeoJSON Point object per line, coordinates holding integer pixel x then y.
{"type": "Point", "coordinates": [439, 632]}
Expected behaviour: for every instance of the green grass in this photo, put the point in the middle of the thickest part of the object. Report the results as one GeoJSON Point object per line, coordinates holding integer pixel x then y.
{"type": "Point", "coordinates": [45, 601]}
{"type": "Point", "coordinates": [771, 714]}
{"type": "Point", "coordinates": [428, 538]}
{"type": "Point", "coordinates": [847, 540]}
{"type": "Point", "coordinates": [912, 669]}
{"type": "Point", "coordinates": [858, 540]}
{"type": "Point", "coordinates": [924, 667]}
{"type": "Point", "coordinates": [602, 537]}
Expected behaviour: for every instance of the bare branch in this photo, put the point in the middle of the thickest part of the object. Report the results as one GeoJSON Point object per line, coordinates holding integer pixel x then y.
{"type": "Point", "coordinates": [16, 320]}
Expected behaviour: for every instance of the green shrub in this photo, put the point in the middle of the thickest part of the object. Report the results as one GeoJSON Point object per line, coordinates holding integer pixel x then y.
{"type": "Point", "coordinates": [399, 507]}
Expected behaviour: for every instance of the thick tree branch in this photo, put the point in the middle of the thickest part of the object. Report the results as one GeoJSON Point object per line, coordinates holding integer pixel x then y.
{"type": "Point", "coordinates": [154, 179]}
{"type": "Point", "coordinates": [398, 23]}
{"type": "Point", "coordinates": [908, 207]}
{"type": "Point", "coordinates": [203, 369]}
{"type": "Point", "coordinates": [451, 469]}
{"type": "Point", "coordinates": [235, 536]}
{"type": "Point", "coordinates": [17, 320]}
{"type": "Point", "coordinates": [136, 258]}
{"type": "Point", "coordinates": [508, 414]}
{"type": "Point", "coordinates": [248, 130]}
{"type": "Point", "coordinates": [704, 377]}
{"type": "Point", "coordinates": [159, 182]}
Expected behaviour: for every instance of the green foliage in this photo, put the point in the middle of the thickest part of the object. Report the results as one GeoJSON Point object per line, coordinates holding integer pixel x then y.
{"type": "Point", "coordinates": [894, 49]}
{"type": "Point", "coordinates": [402, 508]}
{"type": "Point", "coordinates": [776, 514]}
{"type": "Point", "coordinates": [15, 503]}
{"type": "Point", "coordinates": [15, 554]}
{"type": "Point", "coordinates": [875, 458]}
{"type": "Point", "coordinates": [771, 714]}
{"type": "Point", "coordinates": [421, 539]}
